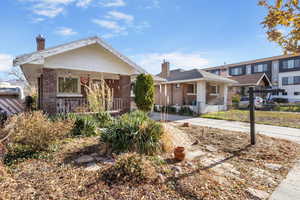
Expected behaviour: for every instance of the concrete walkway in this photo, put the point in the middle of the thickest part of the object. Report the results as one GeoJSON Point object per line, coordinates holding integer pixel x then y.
{"type": "Point", "coordinates": [292, 134]}
{"type": "Point", "coordinates": [289, 189]}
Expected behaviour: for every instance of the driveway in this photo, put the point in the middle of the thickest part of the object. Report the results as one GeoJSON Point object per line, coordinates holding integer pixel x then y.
{"type": "Point", "coordinates": [292, 134]}
{"type": "Point", "coordinates": [289, 188]}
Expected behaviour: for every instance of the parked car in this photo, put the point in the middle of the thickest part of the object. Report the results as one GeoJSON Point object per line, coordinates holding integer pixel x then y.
{"type": "Point", "coordinates": [258, 102]}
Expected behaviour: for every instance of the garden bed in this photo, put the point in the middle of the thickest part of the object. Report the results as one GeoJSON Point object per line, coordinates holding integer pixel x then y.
{"type": "Point", "coordinates": [275, 118]}
{"type": "Point", "coordinates": [226, 168]}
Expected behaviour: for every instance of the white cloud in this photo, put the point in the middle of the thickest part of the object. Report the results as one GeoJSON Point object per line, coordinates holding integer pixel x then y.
{"type": "Point", "coordinates": [113, 3]}
{"type": "Point", "coordinates": [5, 62]}
{"type": "Point", "coordinates": [83, 3]}
{"type": "Point", "coordinates": [120, 16]}
{"type": "Point", "coordinates": [38, 19]}
{"type": "Point", "coordinates": [50, 12]}
{"type": "Point", "coordinates": [152, 61]}
{"type": "Point", "coordinates": [111, 25]}
{"type": "Point", "coordinates": [64, 31]}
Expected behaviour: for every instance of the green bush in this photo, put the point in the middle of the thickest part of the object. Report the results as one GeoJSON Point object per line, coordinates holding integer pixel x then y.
{"type": "Point", "coordinates": [130, 167]}
{"type": "Point", "coordinates": [85, 125]}
{"type": "Point", "coordinates": [104, 119]}
{"type": "Point", "coordinates": [185, 111]}
{"type": "Point", "coordinates": [133, 132]}
{"type": "Point", "coordinates": [144, 92]}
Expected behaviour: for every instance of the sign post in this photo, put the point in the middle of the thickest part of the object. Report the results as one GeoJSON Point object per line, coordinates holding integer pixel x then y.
{"type": "Point", "coordinates": [252, 115]}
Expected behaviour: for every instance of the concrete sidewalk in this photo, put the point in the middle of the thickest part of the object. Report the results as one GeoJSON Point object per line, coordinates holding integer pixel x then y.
{"type": "Point", "coordinates": [292, 134]}
{"type": "Point", "coordinates": [289, 189]}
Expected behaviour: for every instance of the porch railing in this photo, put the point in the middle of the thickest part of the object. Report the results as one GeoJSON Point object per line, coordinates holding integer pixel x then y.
{"type": "Point", "coordinates": [73, 104]}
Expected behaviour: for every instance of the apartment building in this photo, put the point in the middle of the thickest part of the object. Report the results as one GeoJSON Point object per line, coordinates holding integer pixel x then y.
{"type": "Point", "coordinates": [277, 72]}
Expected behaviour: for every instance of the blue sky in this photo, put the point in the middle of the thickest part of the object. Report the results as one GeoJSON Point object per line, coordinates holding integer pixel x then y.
{"type": "Point", "coordinates": [188, 33]}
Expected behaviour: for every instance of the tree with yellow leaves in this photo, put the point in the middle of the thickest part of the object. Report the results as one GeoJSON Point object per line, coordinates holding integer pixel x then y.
{"type": "Point", "coordinates": [282, 24]}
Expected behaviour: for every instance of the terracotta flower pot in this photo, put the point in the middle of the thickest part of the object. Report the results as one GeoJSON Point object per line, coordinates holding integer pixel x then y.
{"type": "Point", "coordinates": [179, 153]}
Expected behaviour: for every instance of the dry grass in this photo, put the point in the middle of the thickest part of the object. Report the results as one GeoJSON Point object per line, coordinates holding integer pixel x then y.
{"type": "Point", "coordinates": [60, 178]}
{"type": "Point", "coordinates": [262, 117]}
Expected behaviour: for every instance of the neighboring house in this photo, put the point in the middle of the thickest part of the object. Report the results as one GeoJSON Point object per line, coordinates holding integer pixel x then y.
{"type": "Point", "coordinates": [283, 72]}
{"type": "Point", "coordinates": [199, 90]}
{"type": "Point", "coordinates": [258, 81]}
{"type": "Point", "coordinates": [62, 73]}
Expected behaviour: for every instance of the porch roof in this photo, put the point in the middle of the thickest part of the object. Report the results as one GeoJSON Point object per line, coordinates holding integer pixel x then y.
{"type": "Point", "coordinates": [251, 79]}
{"type": "Point", "coordinates": [38, 56]}
{"type": "Point", "coordinates": [180, 76]}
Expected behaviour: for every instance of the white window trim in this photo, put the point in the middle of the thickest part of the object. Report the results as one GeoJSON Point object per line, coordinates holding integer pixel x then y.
{"type": "Point", "coordinates": [63, 94]}
{"type": "Point", "coordinates": [216, 91]}
{"type": "Point", "coordinates": [194, 90]}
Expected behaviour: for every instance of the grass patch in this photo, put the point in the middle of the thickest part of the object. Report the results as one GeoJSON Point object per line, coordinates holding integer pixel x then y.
{"type": "Point", "coordinates": [262, 117]}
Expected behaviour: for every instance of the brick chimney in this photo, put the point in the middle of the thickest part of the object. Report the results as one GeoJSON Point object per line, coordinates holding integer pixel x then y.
{"type": "Point", "coordinates": [40, 43]}
{"type": "Point", "coordinates": [165, 69]}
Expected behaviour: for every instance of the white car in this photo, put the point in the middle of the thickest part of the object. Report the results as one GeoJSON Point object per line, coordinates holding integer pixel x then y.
{"type": "Point", "coordinates": [244, 102]}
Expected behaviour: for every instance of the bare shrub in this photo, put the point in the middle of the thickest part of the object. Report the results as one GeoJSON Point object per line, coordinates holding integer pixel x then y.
{"type": "Point", "coordinates": [130, 167]}
{"type": "Point", "coordinates": [35, 130]}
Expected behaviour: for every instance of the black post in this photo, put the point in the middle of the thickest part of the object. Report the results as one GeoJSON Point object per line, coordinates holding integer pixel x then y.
{"type": "Point", "coordinates": [252, 115]}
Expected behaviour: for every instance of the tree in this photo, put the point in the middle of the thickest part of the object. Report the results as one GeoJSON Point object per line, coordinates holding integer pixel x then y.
{"type": "Point", "coordinates": [282, 24]}
{"type": "Point", "coordinates": [144, 92]}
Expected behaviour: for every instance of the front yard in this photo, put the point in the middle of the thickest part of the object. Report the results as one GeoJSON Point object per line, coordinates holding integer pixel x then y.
{"type": "Point", "coordinates": [225, 167]}
{"type": "Point", "coordinates": [262, 117]}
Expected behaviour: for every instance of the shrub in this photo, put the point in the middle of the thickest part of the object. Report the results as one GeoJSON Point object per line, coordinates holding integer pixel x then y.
{"type": "Point", "coordinates": [144, 92]}
{"type": "Point", "coordinates": [133, 132]}
{"type": "Point", "coordinates": [85, 125]}
{"type": "Point", "coordinates": [185, 111]}
{"type": "Point", "coordinates": [130, 167]}
{"type": "Point", "coordinates": [35, 130]}
{"type": "Point", "coordinates": [103, 119]}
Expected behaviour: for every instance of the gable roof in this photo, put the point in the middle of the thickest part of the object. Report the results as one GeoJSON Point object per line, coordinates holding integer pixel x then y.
{"type": "Point", "coordinates": [251, 79]}
{"type": "Point", "coordinates": [38, 56]}
{"type": "Point", "coordinates": [180, 75]}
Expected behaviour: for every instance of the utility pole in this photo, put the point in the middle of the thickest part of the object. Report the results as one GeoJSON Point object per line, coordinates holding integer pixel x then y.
{"type": "Point", "coordinates": [252, 115]}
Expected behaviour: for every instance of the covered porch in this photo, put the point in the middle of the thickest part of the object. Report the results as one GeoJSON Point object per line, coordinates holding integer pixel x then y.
{"type": "Point", "coordinates": [199, 96]}
{"type": "Point", "coordinates": [64, 91]}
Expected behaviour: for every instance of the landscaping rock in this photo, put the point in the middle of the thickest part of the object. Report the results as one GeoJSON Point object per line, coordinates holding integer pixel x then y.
{"type": "Point", "coordinates": [273, 166]}
{"type": "Point", "coordinates": [94, 154]}
{"type": "Point", "coordinates": [211, 148]}
{"type": "Point", "coordinates": [84, 159]}
{"type": "Point", "coordinates": [257, 194]}
{"type": "Point", "coordinates": [191, 155]}
{"type": "Point", "coordinates": [161, 178]}
{"type": "Point", "coordinates": [92, 167]}
{"type": "Point", "coordinates": [109, 161]}
{"type": "Point", "coordinates": [177, 169]}
{"type": "Point", "coordinates": [186, 124]}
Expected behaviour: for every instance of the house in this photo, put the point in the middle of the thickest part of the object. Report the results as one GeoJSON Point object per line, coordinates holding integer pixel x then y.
{"type": "Point", "coordinates": [282, 71]}
{"type": "Point", "coordinates": [258, 81]}
{"type": "Point", "coordinates": [197, 89]}
{"type": "Point", "coordinates": [61, 73]}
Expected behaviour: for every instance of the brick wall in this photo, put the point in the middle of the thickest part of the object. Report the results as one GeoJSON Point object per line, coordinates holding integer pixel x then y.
{"type": "Point", "coordinates": [125, 90]}
{"type": "Point", "coordinates": [49, 90]}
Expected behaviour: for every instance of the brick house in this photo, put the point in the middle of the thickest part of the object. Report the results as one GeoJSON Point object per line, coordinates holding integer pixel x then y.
{"type": "Point", "coordinates": [61, 73]}
{"type": "Point", "coordinates": [197, 89]}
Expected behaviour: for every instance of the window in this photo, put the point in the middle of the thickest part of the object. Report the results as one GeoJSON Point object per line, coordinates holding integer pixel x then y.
{"type": "Point", "coordinates": [191, 89]}
{"type": "Point", "coordinates": [68, 85]}
{"type": "Point", "coordinates": [296, 93]}
{"type": "Point", "coordinates": [236, 71]}
{"type": "Point", "coordinates": [214, 89]}
{"type": "Point", "coordinates": [248, 69]}
{"type": "Point", "coordinates": [288, 80]}
{"type": "Point", "coordinates": [296, 80]}
{"type": "Point", "coordinates": [260, 68]}
{"type": "Point", "coordinates": [284, 93]}
{"type": "Point", "coordinates": [290, 64]}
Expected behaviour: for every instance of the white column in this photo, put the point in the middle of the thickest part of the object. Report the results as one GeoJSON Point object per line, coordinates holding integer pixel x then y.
{"type": "Point", "coordinates": [201, 96]}
{"type": "Point", "coordinates": [225, 95]}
